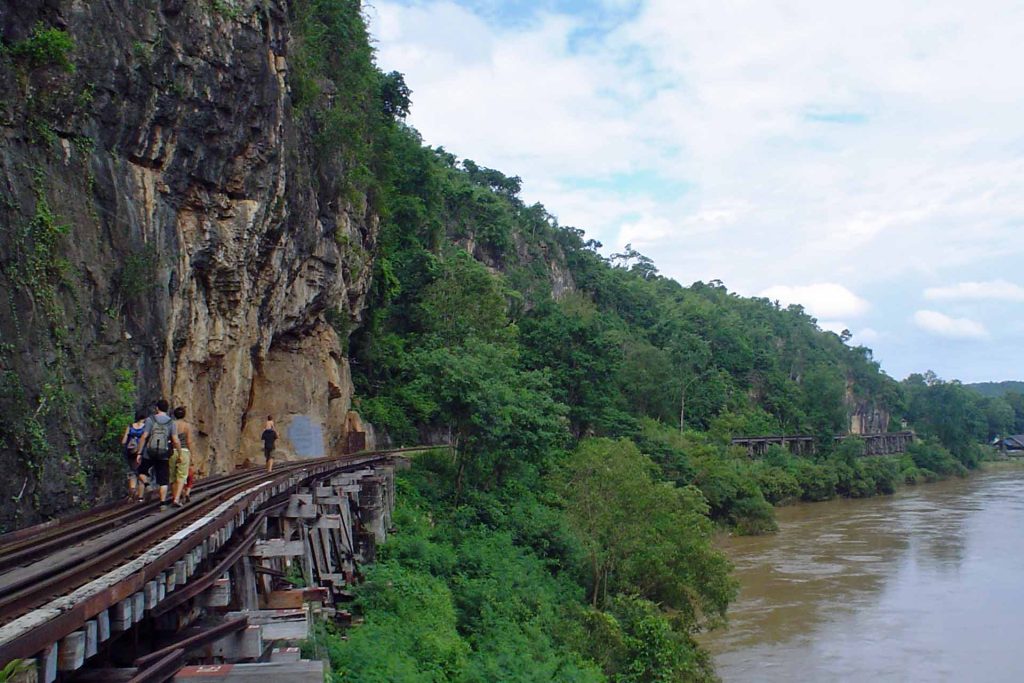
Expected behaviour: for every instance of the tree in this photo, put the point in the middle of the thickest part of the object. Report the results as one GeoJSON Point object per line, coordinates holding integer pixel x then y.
{"type": "Point", "coordinates": [465, 300]}
{"type": "Point", "coordinates": [395, 95]}
{"type": "Point", "coordinates": [643, 536]}
{"type": "Point", "coordinates": [500, 418]}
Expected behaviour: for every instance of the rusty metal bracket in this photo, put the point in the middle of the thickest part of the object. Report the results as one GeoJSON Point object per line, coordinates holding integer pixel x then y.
{"type": "Point", "coordinates": [161, 670]}
{"type": "Point", "coordinates": [207, 636]}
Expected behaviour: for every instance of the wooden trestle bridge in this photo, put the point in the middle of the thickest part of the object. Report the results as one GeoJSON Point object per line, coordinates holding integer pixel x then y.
{"type": "Point", "coordinates": [133, 592]}
{"type": "Point", "coordinates": [888, 443]}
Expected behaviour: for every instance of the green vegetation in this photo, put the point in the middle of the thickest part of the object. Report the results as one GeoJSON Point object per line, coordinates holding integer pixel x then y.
{"type": "Point", "coordinates": [35, 264]}
{"type": "Point", "coordinates": [565, 534]}
{"type": "Point", "coordinates": [495, 587]}
{"type": "Point", "coordinates": [13, 668]}
{"type": "Point", "coordinates": [994, 389]}
{"type": "Point", "coordinates": [958, 417]}
{"type": "Point", "coordinates": [110, 418]}
{"type": "Point", "coordinates": [45, 47]}
{"type": "Point", "coordinates": [135, 278]}
{"type": "Point", "coordinates": [227, 8]}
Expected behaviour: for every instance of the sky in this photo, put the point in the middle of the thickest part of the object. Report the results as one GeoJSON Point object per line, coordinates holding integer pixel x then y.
{"type": "Point", "coordinates": [865, 160]}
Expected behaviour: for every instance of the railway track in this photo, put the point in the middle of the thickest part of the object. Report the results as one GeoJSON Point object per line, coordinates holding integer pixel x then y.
{"type": "Point", "coordinates": [31, 543]}
{"type": "Point", "coordinates": [41, 563]}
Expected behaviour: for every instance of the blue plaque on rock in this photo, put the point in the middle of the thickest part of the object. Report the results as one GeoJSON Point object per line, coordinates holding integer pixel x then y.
{"type": "Point", "coordinates": [306, 436]}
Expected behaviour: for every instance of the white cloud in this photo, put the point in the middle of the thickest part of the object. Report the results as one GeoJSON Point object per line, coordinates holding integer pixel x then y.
{"type": "Point", "coordinates": [992, 290]}
{"type": "Point", "coordinates": [876, 144]}
{"type": "Point", "coordinates": [826, 300]}
{"type": "Point", "coordinates": [952, 328]}
{"type": "Point", "coordinates": [867, 335]}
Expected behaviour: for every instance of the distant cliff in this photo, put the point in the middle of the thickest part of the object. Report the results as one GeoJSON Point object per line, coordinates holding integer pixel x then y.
{"type": "Point", "coordinates": [169, 220]}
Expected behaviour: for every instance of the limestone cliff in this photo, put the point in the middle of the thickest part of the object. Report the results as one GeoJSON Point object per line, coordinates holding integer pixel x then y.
{"type": "Point", "coordinates": [162, 214]}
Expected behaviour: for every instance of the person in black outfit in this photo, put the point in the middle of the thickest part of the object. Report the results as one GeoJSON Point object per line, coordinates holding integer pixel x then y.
{"type": "Point", "coordinates": [269, 436]}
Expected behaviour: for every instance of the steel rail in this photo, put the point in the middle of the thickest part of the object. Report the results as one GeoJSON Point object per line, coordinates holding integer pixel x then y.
{"type": "Point", "coordinates": [37, 541]}
{"type": "Point", "coordinates": [18, 547]}
{"type": "Point", "coordinates": [134, 514]}
{"type": "Point", "coordinates": [204, 637]}
{"type": "Point", "coordinates": [30, 641]}
{"type": "Point", "coordinates": [17, 596]}
{"type": "Point", "coordinates": [161, 670]}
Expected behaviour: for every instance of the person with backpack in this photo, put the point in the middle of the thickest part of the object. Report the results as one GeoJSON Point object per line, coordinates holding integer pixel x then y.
{"type": "Point", "coordinates": [159, 438]}
{"type": "Point", "coordinates": [130, 443]}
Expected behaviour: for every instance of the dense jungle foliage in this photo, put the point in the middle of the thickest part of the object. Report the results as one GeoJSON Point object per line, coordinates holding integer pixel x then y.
{"type": "Point", "coordinates": [588, 403]}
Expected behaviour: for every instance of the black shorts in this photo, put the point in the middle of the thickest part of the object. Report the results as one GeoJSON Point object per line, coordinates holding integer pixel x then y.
{"type": "Point", "coordinates": [268, 452]}
{"type": "Point", "coordinates": [129, 461]}
{"type": "Point", "coordinates": [157, 469]}
{"type": "Point", "coordinates": [162, 470]}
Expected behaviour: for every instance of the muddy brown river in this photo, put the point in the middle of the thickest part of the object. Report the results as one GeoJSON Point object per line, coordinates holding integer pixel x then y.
{"type": "Point", "coordinates": [925, 585]}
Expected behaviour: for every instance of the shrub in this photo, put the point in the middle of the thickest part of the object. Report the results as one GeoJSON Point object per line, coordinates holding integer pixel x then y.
{"type": "Point", "coordinates": [46, 46]}
{"type": "Point", "coordinates": [777, 484]}
{"type": "Point", "coordinates": [817, 482]}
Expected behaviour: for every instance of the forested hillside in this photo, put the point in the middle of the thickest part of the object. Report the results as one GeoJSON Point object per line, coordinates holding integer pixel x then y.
{"type": "Point", "coordinates": [992, 389]}
{"type": "Point", "coordinates": [587, 402]}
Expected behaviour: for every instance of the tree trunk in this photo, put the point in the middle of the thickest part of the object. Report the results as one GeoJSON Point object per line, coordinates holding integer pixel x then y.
{"type": "Point", "coordinates": [682, 410]}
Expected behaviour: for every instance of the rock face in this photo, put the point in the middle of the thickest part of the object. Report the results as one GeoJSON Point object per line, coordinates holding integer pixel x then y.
{"type": "Point", "coordinates": [866, 416]}
{"type": "Point", "coordinates": [175, 226]}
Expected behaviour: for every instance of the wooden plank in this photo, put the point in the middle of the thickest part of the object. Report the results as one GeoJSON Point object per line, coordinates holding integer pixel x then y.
{"type": "Point", "coordinates": [300, 506]}
{"type": "Point", "coordinates": [244, 644]}
{"type": "Point", "coordinates": [294, 599]}
{"type": "Point", "coordinates": [71, 651]}
{"type": "Point", "coordinates": [91, 638]}
{"type": "Point", "coordinates": [151, 595]}
{"type": "Point", "coordinates": [317, 552]}
{"type": "Point", "coordinates": [336, 579]}
{"type": "Point", "coordinates": [103, 625]}
{"type": "Point", "coordinates": [307, 564]}
{"type": "Point", "coordinates": [328, 522]}
{"type": "Point", "coordinates": [47, 663]}
{"type": "Point", "coordinates": [138, 607]}
{"type": "Point", "coordinates": [278, 548]}
{"type": "Point", "coordinates": [281, 624]}
{"type": "Point", "coordinates": [219, 594]}
{"type": "Point", "coordinates": [285, 654]}
{"type": "Point", "coordinates": [121, 616]}
{"type": "Point", "coordinates": [247, 590]}
{"type": "Point", "coordinates": [325, 546]}
{"type": "Point", "coordinates": [180, 573]}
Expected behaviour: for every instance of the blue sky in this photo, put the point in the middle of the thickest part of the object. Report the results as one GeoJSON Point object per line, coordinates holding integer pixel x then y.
{"type": "Point", "coordinates": [865, 160]}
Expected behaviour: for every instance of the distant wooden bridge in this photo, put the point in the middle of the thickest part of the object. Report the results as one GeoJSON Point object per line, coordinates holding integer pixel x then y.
{"type": "Point", "coordinates": [887, 443]}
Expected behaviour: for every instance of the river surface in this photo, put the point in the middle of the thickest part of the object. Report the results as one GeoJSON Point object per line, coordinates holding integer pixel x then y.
{"type": "Point", "coordinates": [925, 585]}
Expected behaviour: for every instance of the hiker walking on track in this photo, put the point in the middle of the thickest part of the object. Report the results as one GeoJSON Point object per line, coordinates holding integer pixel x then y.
{"type": "Point", "coordinates": [181, 459]}
{"type": "Point", "coordinates": [130, 442]}
{"type": "Point", "coordinates": [159, 438]}
{"type": "Point", "coordinates": [269, 436]}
